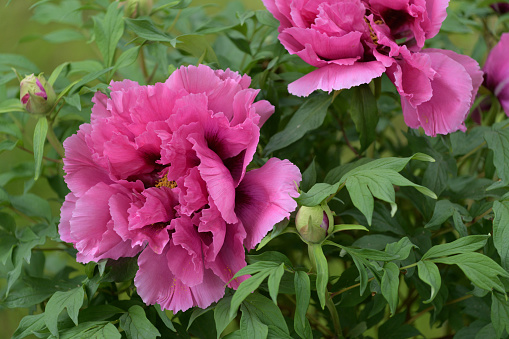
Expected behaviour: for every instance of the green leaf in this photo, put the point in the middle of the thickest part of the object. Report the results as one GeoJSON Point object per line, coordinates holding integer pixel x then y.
{"type": "Point", "coordinates": [92, 330]}
{"type": "Point", "coordinates": [41, 129]}
{"type": "Point", "coordinates": [251, 326]}
{"type": "Point", "coordinates": [222, 316]}
{"type": "Point", "coordinates": [401, 248]}
{"type": "Point", "coordinates": [268, 313]}
{"type": "Point", "coordinates": [463, 245]}
{"type": "Point", "coordinates": [428, 272]}
{"type": "Point", "coordinates": [167, 321]}
{"type": "Point", "coordinates": [56, 73]}
{"type": "Point", "coordinates": [198, 46]}
{"type": "Point", "coordinates": [32, 205]}
{"type": "Point", "coordinates": [371, 254]}
{"type": "Point", "coordinates": [72, 88]}
{"type": "Point", "coordinates": [197, 312]}
{"type": "Point", "coordinates": [8, 145]}
{"type": "Point", "coordinates": [302, 296]}
{"type": "Point", "coordinates": [308, 177]}
{"type": "Point", "coordinates": [145, 29]}
{"type": "Point", "coordinates": [364, 113]}
{"type": "Point", "coordinates": [246, 288]}
{"type": "Point", "coordinates": [72, 300]}
{"type": "Point", "coordinates": [11, 105]}
{"type": "Point", "coordinates": [28, 325]}
{"type": "Point", "coordinates": [63, 35]}
{"type": "Point", "coordinates": [259, 266]}
{"type": "Point", "coordinates": [136, 325]}
{"type": "Point", "coordinates": [498, 142]}
{"type": "Point", "coordinates": [390, 285]}
{"type": "Point", "coordinates": [363, 274]}
{"type": "Point", "coordinates": [274, 280]}
{"type": "Point", "coordinates": [318, 193]}
{"type": "Point", "coordinates": [308, 117]}
{"type": "Point", "coordinates": [480, 269]}
{"type": "Point", "coordinates": [265, 18]}
{"type": "Point", "coordinates": [499, 313]}
{"type": "Point", "coordinates": [349, 227]}
{"type": "Point", "coordinates": [444, 209]}
{"type": "Point", "coordinates": [276, 257]}
{"type": "Point", "coordinates": [108, 32]}
{"type": "Point", "coordinates": [127, 58]}
{"type": "Point", "coordinates": [322, 272]}
{"type": "Point", "coordinates": [501, 231]}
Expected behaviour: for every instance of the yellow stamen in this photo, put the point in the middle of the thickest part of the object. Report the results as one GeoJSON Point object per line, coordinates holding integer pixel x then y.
{"type": "Point", "coordinates": [164, 182]}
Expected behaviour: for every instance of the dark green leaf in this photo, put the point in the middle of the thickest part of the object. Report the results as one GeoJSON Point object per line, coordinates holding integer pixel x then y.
{"type": "Point", "coordinates": [374, 254]}
{"type": "Point", "coordinates": [308, 177]}
{"type": "Point", "coordinates": [309, 116]}
{"type": "Point", "coordinates": [317, 194]}
{"type": "Point", "coordinates": [498, 142]}
{"type": "Point", "coordinates": [500, 313]}
{"type": "Point", "coordinates": [197, 312]}
{"type": "Point", "coordinates": [136, 325]}
{"type": "Point", "coordinates": [401, 248]}
{"type": "Point", "coordinates": [274, 256]}
{"type": "Point", "coordinates": [245, 289]}
{"type": "Point", "coordinates": [108, 32]}
{"type": "Point", "coordinates": [322, 272]}
{"type": "Point", "coordinates": [28, 325]}
{"type": "Point", "coordinates": [501, 231]}
{"type": "Point", "coordinates": [145, 29]}
{"type": "Point", "coordinates": [302, 295]}
{"type": "Point", "coordinates": [390, 285]}
{"type": "Point", "coordinates": [251, 326]}
{"type": "Point", "coordinates": [268, 313]}
{"type": "Point", "coordinates": [480, 269]}
{"type": "Point", "coordinates": [165, 318]}
{"type": "Point", "coordinates": [259, 266]}
{"type": "Point", "coordinates": [222, 315]}
{"type": "Point", "coordinates": [274, 280]}
{"type": "Point", "coordinates": [462, 245]}
{"type": "Point", "coordinates": [92, 330]}
{"type": "Point", "coordinates": [364, 113]}
{"type": "Point", "coordinates": [72, 300]}
{"type": "Point", "coordinates": [39, 139]}
{"type": "Point", "coordinates": [428, 272]}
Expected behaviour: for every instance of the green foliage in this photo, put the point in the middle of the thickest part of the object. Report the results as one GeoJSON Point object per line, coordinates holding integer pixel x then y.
{"type": "Point", "coordinates": [409, 238]}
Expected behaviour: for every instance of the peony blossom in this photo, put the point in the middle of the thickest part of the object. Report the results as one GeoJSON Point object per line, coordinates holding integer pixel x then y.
{"type": "Point", "coordinates": [437, 89]}
{"type": "Point", "coordinates": [352, 42]}
{"type": "Point", "coordinates": [496, 71]}
{"type": "Point", "coordinates": [160, 171]}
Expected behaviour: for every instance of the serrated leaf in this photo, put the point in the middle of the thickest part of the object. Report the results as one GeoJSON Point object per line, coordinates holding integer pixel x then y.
{"type": "Point", "coordinates": [71, 300]}
{"type": "Point", "coordinates": [501, 231]}
{"type": "Point", "coordinates": [499, 313]}
{"type": "Point", "coordinates": [222, 315]}
{"type": "Point", "coordinates": [136, 325]}
{"type": "Point", "coordinates": [479, 268]}
{"type": "Point", "coordinates": [40, 132]}
{"type": "Point", "coordinates": [308, 117]}
{"type": "Point", "coordinates": [462, 245]}
{"type": "Point", "coordinates": [322, 272]}
{"type": "Point", "coordinates": [390, 285]}
{"type": "Point", "coordinates": [274, 280]}
{"type": "Point", "coordinates": [364, 113]}
{"type": "Point", "coordinates": [302, 297]}
{"type": "Point", "coordinates": [429, 273]}
{"type": "Point", "coordinates": [108, 32]}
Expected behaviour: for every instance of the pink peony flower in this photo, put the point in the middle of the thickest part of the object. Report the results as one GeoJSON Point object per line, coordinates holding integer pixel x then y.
{"type": "Point", "coordinates": [160, 171]}
{"type": "Point", "coordinates": [437, 89]}
{"type": "Point", "coordinates": [352, 42]}
{"type": "Point", "coordinates": [496, 70]}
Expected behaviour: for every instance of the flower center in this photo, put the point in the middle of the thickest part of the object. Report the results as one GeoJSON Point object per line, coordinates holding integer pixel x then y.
{"type": "Point", "coordinates": [164, 182]}
{"type": "Point", "coordinates": [371, 31]}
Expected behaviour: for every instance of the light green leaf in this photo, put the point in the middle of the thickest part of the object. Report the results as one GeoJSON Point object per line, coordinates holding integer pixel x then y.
{"type": "Point", "coordinates": [108, 32]}
{"type": "Point", "coordinates": [63, 35]}
{"type": "Point", "coordinates": [274, 280]}
{"type": "Point", "coordinates": [11, 105]}
{"type": "Point", "coordinates": [264, 17]}
{"type": "Point", "coordinates": [245, 289]}
{"type": "Point", "coordinates": [501, 231]}
{"type": "Point", "coordinates": [136, 325]}
{"type": "Point", "coordinates": [479, 268]}
{"type": "Point", "coordinates": [56, 72]}
{"type": "Point", "coordinates": [72, 300]}
{"type": "Point", "coordinates": [251, 326]}
{"type": "Point", "coordinates": [41, 129]}
{"type": "Point", "coordinates": [308, 117]}
{"type": "Point", "coordinates": [32, 205]}
{"type": "Point", "coordinates": [429, 273]}
{"type": "Point", "coordinates": [322, 272]}
{"type": "Point", "coordinates": [222, 315]}
{"type": "Point", "coordinates": [390, 285]}
{"type": "Point", "coordinates": [127, 58]}
{"type": "Point", "coordinates": [349, 227]}
{"type": "Point", "coordinates": [317, 194]}
{"type": "Point", "coordinates": [302, 296]}
{"type": "Point", "coordinates": [463, 245]}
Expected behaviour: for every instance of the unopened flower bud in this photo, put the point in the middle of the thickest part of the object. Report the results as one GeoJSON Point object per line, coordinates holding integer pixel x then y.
{"type": "Point", "coordinates": [136, 8]}
{"type": "Point", "coordinates": [500, 7]}
{"type": "Point", "coordinates": [36, 94]}
{"type": "Point", "coordinates": [313, 223]}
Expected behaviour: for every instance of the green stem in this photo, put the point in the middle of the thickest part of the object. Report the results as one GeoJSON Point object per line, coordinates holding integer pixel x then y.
{"type": "Point", "coordinates": [53, 140]}
{"type": "Point", "coordinates": [406, 267]}
{"type": "Point", "coordinates": [334, 314]}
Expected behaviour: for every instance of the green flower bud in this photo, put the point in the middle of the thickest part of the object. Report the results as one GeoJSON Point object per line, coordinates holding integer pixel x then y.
{"type": "Point", "coordinates": [136, 8]}
{"type": "Point", "coordinates": [36, 94]}
{"type": "Point", "coordinates": [313, 223]}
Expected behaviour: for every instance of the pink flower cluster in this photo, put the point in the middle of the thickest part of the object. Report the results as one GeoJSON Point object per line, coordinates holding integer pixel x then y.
{"type": "Point", "coordinates": [352, 42]}
{"type": "Point", "coordinates": [161, 172]}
